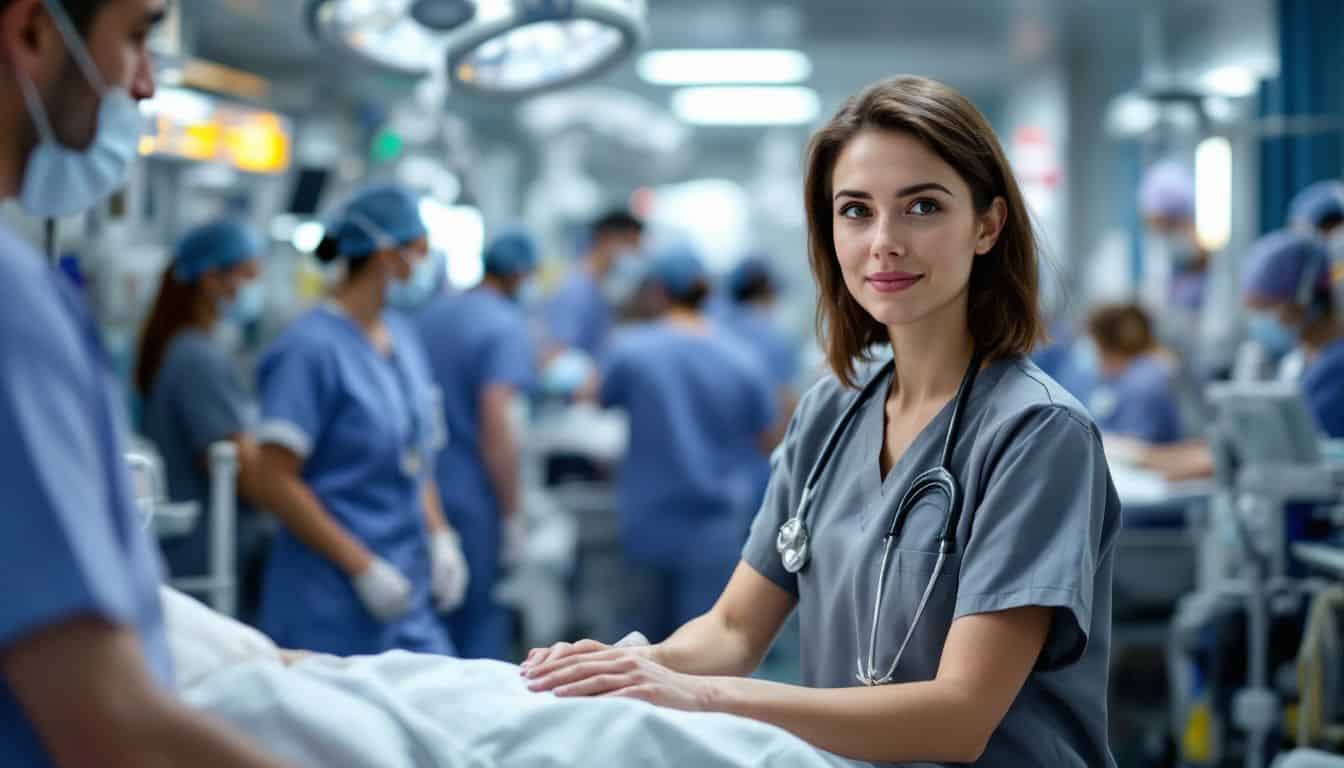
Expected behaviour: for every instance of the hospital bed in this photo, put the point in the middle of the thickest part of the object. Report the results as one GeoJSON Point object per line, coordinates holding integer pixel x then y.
{"type": "Point", "coordinates": [219, 585]}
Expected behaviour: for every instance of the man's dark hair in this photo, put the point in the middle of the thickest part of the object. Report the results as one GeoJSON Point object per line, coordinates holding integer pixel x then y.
{"type": "Point", "coordinates": [81, 11]}
{"type": "Point", "coordinates": [616, 222]}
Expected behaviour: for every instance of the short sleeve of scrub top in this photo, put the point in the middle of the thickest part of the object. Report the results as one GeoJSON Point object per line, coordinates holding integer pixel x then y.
{"type": "Point", "coordinates": [70, 541]}
{"type": "Point", "coordinates": [296, 387]}
{"type": "Point", "coordinates": [208, 397]}
{"type": "Point", "coordinates": [511, 360]}
{"type": "Point", "coordinates": [1036, 539]}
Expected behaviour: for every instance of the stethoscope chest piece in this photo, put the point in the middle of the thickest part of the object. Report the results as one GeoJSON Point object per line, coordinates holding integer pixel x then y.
{"type": "Point", "coordinates": [793, 545]}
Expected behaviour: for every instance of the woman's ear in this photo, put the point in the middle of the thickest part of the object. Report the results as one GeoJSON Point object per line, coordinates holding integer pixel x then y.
{"type": "Point", "coordinates": [992, 222]}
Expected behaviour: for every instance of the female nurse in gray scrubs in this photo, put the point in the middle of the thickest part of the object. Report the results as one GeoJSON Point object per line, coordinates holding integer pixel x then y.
{"type": "Point", "coordinates": [952, 562]}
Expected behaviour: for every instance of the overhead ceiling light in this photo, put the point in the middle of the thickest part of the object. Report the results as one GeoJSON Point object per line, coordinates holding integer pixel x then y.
{"type": "Point", "coordinates": [1213, 192]}
{"type": "Point", "coordinates": [1230, 81]}
{"type": "Point", "coordinates": [513, 47]}
{"type": "Point", "coordinates": [443, 15]}
{"type": "Point", "coordinates": [711, 66]}
{"type": "Point", "coordinates": [753, 105]}
{"type": "Point", "coordinates": [379, 32]}
{"type": "Point", "coordinates": [1131, 114]}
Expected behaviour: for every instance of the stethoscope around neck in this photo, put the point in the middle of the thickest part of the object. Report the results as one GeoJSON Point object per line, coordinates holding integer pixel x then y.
{"type": "Point", "coordinates": [793, 541]}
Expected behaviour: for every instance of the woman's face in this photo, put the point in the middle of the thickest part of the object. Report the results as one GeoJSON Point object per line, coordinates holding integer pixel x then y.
{"type": "Point", "coordinates": [401, 261]}
{"type": "Point", "coordinates": [226, 283]}
{"type": "Point", "coordinates": [905, 228]}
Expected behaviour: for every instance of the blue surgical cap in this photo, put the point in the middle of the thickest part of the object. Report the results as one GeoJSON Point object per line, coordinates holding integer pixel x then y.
{"type": "Point", "coordinates": [375, 213]}
{"type": "Point", "coordinates": [677, 269]}
{"type": "Point", "coordinates": [1282, 265]}
{"type": "Point", "coordinates": [1167, 190]}
{"type": "Point", "coordinates": [513, 252]}
{"type": "Point", "coordinates": [748, 271]}
{"type": "Point", "coordinates": [1318, 202]}
{"type": "Point", "coordinates": [218, 245]}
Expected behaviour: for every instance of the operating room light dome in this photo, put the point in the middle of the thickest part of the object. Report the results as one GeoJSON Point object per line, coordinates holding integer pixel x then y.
{"type": "Point", "coordinates": [518, 47]}
{"type": "Point", "coordinates": [379, 32]}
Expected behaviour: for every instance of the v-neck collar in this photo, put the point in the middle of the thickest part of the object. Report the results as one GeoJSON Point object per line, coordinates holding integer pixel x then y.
{"type": "Point", "coordinates": [874, 431]}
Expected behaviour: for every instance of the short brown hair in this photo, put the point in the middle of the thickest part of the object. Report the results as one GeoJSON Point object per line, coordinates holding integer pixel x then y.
{"type": "Point", "coordinates": [1122, 329]}
{"type": "Point", "coordinates": [1004, 314]}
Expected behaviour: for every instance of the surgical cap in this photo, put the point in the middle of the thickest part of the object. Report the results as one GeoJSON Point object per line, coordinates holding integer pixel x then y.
{"type": "Point", "coordinates": [1168, 191]}
{"type": "Point", "coordinates": [375, 213]}
{"type": "Point", "coordinates": [218, 245]}
{"type": "Point", "coordinates": [513, 252]}
{"type": "Point", "coordinates": [677, 269]}
{"type": "Point", "coordinates": [749, 271]}
{"type": "Point", "coordinates": [1281, 264]}
{"type": "Point", "coordinates": [1317, 203]}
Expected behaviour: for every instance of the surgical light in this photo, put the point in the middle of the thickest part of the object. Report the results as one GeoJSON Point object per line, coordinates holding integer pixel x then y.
{"type": "Point", "coordinates": [379, 32]}
{"type": "Point", "coordinates": [746, 105]}
{"type": "Point", "coordinates": [443, 15]}
{"type": "Point", "coordinates": [1213, 192]}
{"type": "Point", "coordinates": [517, 47]}
{"type": "Point", "coordinates": [716, 67]}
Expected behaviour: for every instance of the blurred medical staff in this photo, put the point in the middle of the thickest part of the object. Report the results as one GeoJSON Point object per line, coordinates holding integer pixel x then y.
{"type": "Point", "coordinates": [1286, 286]}
{"type": "Point", "coordinates": [1195, 303]}
{"type": "Point", "coordinates": [483, 359]}
{"type": "Point", "coordinates": [749, 314]}
{"type": "Point", "coordinates": [1135, 396]}
{"type": "Point", "coordinates": [85, 672]}
{"type": "Point", "coordinates": [1319, 209]}
{"type": "Point", "coordinates": [193, 392]}
{"type": "Point", "coordinates": [348, 434]}
{"type": "Point", "coordinates": [581, 312]}
{"type": "Point", "coordinates": [698, 403]}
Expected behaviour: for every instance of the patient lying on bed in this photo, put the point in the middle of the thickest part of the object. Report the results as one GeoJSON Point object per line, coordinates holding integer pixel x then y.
{"type": "Point", "coordinates": [402, 710]}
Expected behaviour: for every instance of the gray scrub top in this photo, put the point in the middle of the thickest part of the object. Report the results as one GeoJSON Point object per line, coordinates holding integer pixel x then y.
{"type": "Point", "coordinates": [197, 400]}
{"type": "Point", "coordinates": [1038, 521]}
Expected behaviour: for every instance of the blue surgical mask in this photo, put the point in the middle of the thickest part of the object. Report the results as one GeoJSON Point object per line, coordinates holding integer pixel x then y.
{"type": "Point", "coordinates": [60, 181]}
{"type": "Point", "coordinates": [247, 306]}
{"type": "Point", "coordinates": [1267, 330]}
{"type": "Point", "coordinates": [415, 290]}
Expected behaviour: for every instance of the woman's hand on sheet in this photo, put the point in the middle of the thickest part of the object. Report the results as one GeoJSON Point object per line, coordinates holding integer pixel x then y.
{"type": "Point", "coordinates": [590, 668]}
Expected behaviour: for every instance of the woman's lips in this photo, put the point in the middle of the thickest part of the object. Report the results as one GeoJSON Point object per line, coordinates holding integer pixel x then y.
{"type": "Point", "coordinates": [893, 282]}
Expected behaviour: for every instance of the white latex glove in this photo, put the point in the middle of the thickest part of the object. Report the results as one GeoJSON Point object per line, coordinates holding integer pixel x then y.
{"type": "Point", "coordinates": [450, 575]}
{"type": "Point", "coordinates": [384, 591]}
{"type": "Point", "coordinates": [514, 539]}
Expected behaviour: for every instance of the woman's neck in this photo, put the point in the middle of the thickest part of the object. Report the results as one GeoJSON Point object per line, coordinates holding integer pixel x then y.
{"type": "Point", "coordinates": [1322, 334]}
{"type": "Point", "coordinates": [362, 298]}
{"type": "Point", "coordinates": [685, 318]}
{"type": "Point", "coordinates": [931, 357]}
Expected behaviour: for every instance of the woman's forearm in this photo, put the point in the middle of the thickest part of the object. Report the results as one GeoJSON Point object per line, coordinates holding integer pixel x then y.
{"type": "Point", "coordinates": [935, 721]}
{"type": "Point", "coordinates": [298, 508]}
{"type": "Point", "coordinates": [710, 645]}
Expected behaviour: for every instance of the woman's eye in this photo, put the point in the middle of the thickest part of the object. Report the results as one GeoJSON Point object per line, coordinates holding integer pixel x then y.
{"type": "Point", "coordinates": [853, 210]}
{"type": "Point", "coordinates": [924, 207]}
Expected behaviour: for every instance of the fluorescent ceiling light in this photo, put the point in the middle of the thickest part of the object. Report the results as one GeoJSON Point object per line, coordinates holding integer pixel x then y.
{"type": "Point", "coordinates": [1213, 192]}
{"type": "Point", "coordinates": [748, 105]}
{"type": "Point", "coordinates": [710, 66]}
{"type": "Point", "coordinates": [1230, 81]}
{"type": "Point", "coordinates": [1131, 114]}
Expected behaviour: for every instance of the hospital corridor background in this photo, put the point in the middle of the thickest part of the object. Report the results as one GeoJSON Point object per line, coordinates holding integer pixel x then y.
{"type": "Point", "coordinates": [579, 228]}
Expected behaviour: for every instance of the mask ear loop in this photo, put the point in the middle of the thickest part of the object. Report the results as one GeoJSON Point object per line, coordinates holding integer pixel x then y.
{"type": "Point", "coordinates": [75, 45]}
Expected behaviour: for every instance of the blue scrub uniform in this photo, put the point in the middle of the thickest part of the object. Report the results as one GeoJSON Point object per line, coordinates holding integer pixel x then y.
{"type": "Point", "coordinates": [1323, 383]}
{"type": "Point", "coordinates": [197, 400]}
{"type": "Point", "coordinates": [754, 328]}
{"type": "Point", "coordinates": [1139, 403]}
{"type": "Point", "coordinates": [364, 425]}
{"type": "Point", "coordinates": [698, 404]}
{"type": "Point", "coordinates": [70, 539]}
{"type": "Point", "coordinates": [578, 315]}
{"type": "Point", "coordinates": [475, 340]}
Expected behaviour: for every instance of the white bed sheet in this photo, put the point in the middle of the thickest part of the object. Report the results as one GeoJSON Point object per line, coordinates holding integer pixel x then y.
{"type": "Point", "coordinates": [402, 710]}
